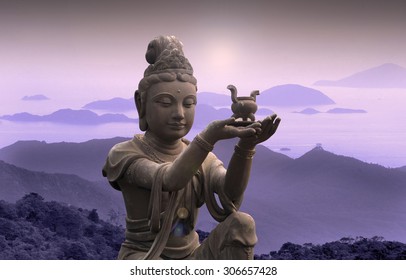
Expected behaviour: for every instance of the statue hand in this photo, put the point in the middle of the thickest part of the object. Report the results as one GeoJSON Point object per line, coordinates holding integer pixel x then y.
{"type": "Point", "coordinates": [218, 130]}
{"type": "Point", "coordinates": [268, 128]}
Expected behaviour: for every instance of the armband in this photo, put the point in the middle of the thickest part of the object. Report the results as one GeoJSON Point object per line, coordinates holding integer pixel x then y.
{"type": "Point", "coordinates": [242, 153]}
{"type": "Point", "coordinates": [203, 144]}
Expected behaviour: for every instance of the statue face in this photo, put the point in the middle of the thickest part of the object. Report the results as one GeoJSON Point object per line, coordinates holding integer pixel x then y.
{"type": "Point", "coordinates": [170, 109]}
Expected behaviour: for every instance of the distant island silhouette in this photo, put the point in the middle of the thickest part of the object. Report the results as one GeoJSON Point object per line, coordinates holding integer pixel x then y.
{"type": "Point", "coordinates": [388, 75]}
{"type": "Point", "coordinates": [37, 97]}
{"type": "Point", "coordinates": [312, 111]}
{"type": "Point", "coordinates": [116, 104]}
{"type": "Point", "coordinates": [293, 95]}
{"type": "Point", "coordinates": [204, 115]}
{"type": "Point", "coordinates": [69, 116]}
{"type": "Point", "coordinates": [282, 95]}
{"type": "Point", "coordinates": [308, 111]}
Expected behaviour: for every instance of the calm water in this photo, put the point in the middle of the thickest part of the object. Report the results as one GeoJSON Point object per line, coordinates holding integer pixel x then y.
{"type": "Point", "coordinates": [378, 136]}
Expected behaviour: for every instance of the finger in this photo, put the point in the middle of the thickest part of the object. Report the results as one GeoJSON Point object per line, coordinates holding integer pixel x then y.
{"type": "Point", "coordinates": [254, 125]}
{"type": "Point", "coordinates": [258, 130]}
{"type": "Point", "coordinates": [246, 132]}
{"type": "Point", "coordinates": [269, 127]}
{"type": "Point", "coordinates": [222, 123]}
{"type": "Point", "coordinates": [267, 124]}
{"type": "Point", "coordinates": [272, 120]}
{"type": "Point", "coordinates": [267, 120]}
{"type": "Point", "coordinates": [275, 125]}
{"type": "Point", "coordinates": [227, 121]}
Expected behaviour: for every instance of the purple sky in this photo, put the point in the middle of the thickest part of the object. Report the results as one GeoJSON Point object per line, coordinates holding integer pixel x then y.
{"type": "Point", "coordinates": [72, 51]}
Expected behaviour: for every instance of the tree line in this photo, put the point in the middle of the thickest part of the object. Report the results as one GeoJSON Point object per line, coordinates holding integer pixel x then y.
{"type": "Point", "coordinates": [36, 229]}
{"type": "Point", "coordinates": [347, 248]}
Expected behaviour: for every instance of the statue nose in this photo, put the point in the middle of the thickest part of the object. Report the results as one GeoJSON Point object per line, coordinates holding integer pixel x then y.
{"type": "Point", "coordinates": [178, 112]}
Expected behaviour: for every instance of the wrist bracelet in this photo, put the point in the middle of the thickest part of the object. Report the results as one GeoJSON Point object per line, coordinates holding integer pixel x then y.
{"type": "Point", "coordinates": [245, 154]}
{"type": "Point", "coordinates": [203, 144]}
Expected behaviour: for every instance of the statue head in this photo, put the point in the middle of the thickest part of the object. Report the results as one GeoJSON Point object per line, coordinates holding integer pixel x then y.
{"type": "Point", "coordinates": [167, 64]}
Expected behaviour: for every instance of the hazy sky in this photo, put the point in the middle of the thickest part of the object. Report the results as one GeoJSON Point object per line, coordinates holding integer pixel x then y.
{"type": "Point", "coordinates": [70, 50]}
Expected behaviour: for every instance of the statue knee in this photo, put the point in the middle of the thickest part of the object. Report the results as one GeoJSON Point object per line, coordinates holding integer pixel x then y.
{"type": "Point", "coordinates": [241, 229]}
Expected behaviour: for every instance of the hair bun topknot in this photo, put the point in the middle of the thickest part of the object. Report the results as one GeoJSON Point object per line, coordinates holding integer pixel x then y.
{"type": "Point", "coordinates": [165, 54]}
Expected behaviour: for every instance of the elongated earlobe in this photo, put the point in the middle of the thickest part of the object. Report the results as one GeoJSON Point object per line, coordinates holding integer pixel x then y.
{"type": "Point", "coordinates": [141, 111]}
{"type": "Point", "coordinates": [143, 124]}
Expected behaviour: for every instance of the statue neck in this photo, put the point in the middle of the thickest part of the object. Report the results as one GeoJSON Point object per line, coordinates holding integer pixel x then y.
{"type": "Point", "coordinates": [164, 147]}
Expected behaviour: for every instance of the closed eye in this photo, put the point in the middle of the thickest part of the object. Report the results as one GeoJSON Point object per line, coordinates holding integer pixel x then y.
{"type": "Point", "coordinates": [188, 105]}
{"type": "Point", "coordinates": [164, 101]}
{"type": "Point", "coordinates": [189, 102]}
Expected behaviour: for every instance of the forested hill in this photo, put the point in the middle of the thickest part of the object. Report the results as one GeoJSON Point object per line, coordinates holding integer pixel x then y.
{"type": "Point", "coordinates": [33, 228]}
{"type": "Point", "coordinates": [66, 188]}
{"type": "Point", "coordinates": [84, 159]}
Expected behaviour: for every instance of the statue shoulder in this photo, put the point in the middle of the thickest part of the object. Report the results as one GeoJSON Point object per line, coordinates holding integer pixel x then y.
{"type": "Point", "coordinates": [130, 146]}
{"type": "Point", "coordinates": [121, 156]}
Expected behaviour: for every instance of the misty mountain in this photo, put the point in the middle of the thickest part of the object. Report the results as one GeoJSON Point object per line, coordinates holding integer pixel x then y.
{"type": "Point", "coordinates": [321, 196]}
{"type": "Point", "coordinates": [69, 116]}
{"type": "Point", "coordinates": [214, 99]}
{"type": "Point", "coordinates": [283, 95]}
{"type": "Point", "coordinates": [264, 112]}
{"type": "Point", "coordinates": [387, 75]}
{"type": "Point", "coordinates": [308, 111]}
{"type": "Point", "coordinates": [84, 159]}
{"type": "Point", "coordinates": [117, 104]}
{"type": "Point", "coordinates": [316, 198]}
{"type": "Point", "coordinates": [70, 189]}
{"type": "Point", "coordinates": [346, 111]}
{"type": "Point", "coordinates": [206, 114]}
{"type": "Point", "coordinates": [293, 95]}
{"type": "Point", "coordinates": [312, 111]}
{"type": "Point", "coordinates": [37, 97]}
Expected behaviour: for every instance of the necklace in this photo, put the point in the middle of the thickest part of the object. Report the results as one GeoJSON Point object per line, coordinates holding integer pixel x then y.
{"type": "Point", "coordinates": [150, 151]}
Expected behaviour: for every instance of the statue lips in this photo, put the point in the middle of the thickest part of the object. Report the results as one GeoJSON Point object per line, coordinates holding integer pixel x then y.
{"type": "Point", "coordinates": [177, 126]}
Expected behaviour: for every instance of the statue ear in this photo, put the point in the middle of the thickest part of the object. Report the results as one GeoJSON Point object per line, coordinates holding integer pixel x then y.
{"type": "Point", "coordinates": [141, 111]}
{"type": "Point", "coordinates": [137, 100]}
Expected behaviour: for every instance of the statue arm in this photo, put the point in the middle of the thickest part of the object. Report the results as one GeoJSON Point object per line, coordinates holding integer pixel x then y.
{"type": "Point", "coordinates": [142, 171]}
{"type": "Point", "coordinates": [239, 168]}
{"type": "Point", "coordinates": [181, 171]}
{"type": "Point", "coordinates": [238, 173]}
{"type": "Point", "coordinates": [188, 163]}
{"type": "Point", "coordinates": [177, 174]}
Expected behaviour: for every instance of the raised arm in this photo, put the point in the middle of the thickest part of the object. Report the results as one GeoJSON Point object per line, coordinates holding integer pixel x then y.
{"type": "Point", "coordinates": [187, 164]}
{"type": "Point", "coordinates": [181, 170]}
{"type": "Point", "coordinates": [239, 168]}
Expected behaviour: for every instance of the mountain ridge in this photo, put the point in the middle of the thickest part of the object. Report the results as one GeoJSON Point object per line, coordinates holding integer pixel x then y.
{"type": "Point", "coordinates": [84, 159]}
{"type": "Point", "coordinates": [69, 116]}
{"type": "Point", "coordinates": [66, 188]}
{"type": "Point", "coordinates": [281, 95]}
{"type": "Point", "coordinates": [293, 95]}
{"type": "Point", "coordinates": [317, 197]}
{"type": "Point", "coordinates": [387, 75]}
